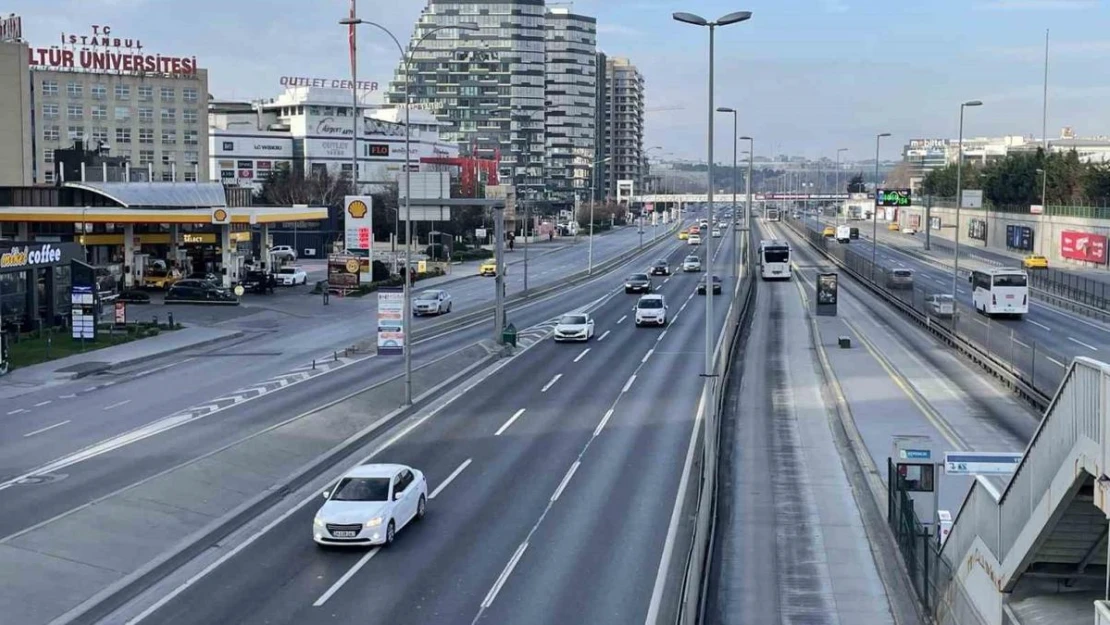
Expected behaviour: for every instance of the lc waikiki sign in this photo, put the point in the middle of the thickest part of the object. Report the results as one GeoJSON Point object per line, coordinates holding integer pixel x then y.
{"type": "Point", "coordinates": [101, 51]}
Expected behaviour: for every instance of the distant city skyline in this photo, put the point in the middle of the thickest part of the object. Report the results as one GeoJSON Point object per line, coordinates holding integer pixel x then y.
{"type": "Point", "coordinates": [808, 77]}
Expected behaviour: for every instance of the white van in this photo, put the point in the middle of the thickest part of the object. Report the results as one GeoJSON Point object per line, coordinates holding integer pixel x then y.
{"type": "Point", "coordinates": [651, 310]}
{"type": "Point", "coordinates": [843, 234]}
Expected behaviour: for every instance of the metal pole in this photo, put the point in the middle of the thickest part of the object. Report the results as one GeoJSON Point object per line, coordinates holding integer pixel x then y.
{"type": "Point", "coordinates": [836, 190]}
{"type": "Point", "coordinates": [959, 202]}
{"type": "Point", "coordinates": [735, 184]}
{"type": "Point", "coordinates": [408, 236]}
{"type": "Point", "coordinates": [354, 115]}
{"type": "Point", "coordinates": [593, 200]}
{"type": "Point", "coordinates": [527, 220]}
{"type": "Point", "coordinates": [875, 210]}
{"type": "Point", "coordinates": [709, 198]}
{"type": "Point", "coordinates": [748, 208]}
{"type": "Point", "coordinates": [1044, 107]}
{"type": "Point", "coordinates": [499, 278]}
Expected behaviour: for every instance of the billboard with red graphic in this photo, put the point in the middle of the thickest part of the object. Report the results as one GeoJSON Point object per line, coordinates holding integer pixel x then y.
{"type": "Point", "coordinates": [1083, 246]}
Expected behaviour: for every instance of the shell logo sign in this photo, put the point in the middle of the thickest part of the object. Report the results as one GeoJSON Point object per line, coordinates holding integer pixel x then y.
{"type": "Point", "coordinates": [357, 209]}
{"type": "Point", "coordinates": [358, 223]}
{"type": "Point", "coordinates": [220, 216]}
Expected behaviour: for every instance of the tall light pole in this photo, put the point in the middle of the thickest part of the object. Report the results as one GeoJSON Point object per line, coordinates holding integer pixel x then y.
{"type": "Point", "coordinates": [593, 201]}
{"type": "Point", "coordinates": [836, 191]}
{"type": "Point", "coordinates": [735, 177]}
{"type": "Point", "coordinates": [748, 209]}
{"type": "Point", "coordinates": [959, 199]}
{"type": "Point", "coordinates": [406, 60]}
{"type": "Point", "coordinates": [875, 208]}
{"type": "Point", "coordinates": [697, 20]}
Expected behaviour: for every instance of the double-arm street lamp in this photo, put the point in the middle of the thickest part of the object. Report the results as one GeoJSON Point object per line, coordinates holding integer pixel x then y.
{"type": "Point", "coordinates": [406, 60]}
{"type": "Point", "coordinates": [959, 199]}
{"type": "Point", "coordinates": [836, 191]}
{"type": "Point", "coordinates": [735, 182]}
{"type": "Point", "coordinates": [875, 207]}
{"type": "Point", "coordinates": [748, 207]}
{"type": "Point", "coordinates": [697, 20]}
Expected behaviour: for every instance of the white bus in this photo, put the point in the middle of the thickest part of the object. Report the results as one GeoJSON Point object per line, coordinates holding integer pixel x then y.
{"type": "Point", "coordinates": [1000, 291]}
{"type": "Point", "coordinates": [774, 260]}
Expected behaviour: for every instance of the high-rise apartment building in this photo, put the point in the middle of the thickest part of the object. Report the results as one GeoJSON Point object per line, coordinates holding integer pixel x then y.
{"type": "Point", "coordinates": [488, 85]}
{"type": "Point", "coordinates": [624, 125]}
{"type": "Point", "coordinates": [571, 96]}
{"type": "Point", "coordinates": [601, 123]}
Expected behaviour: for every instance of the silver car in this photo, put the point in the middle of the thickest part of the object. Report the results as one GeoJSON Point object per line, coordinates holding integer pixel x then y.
{"type": "Point", "coordinates": [431, 302]}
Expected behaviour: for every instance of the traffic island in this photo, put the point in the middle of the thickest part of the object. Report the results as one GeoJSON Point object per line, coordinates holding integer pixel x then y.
{"type": "Point", "coordinates": [36, 348]}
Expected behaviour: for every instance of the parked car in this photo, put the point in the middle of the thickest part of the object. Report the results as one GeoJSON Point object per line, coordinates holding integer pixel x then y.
{"type": "Point", "coordinates": [292, 276]}
{"type": "Point", "coordinates": [207, 276]}
{"type": "Point", "coordinates": [159, 278]}
{"type": "Point", "coordinates": [199, 292]}
{"type": "Point", "coordinates": [259, 282]}
{"type": "Point", "coordinates": [431, 302]}
{"type": "Point", "coordinates": [716, 285]}
{"type": "Point", "coordinates": [283, 253]}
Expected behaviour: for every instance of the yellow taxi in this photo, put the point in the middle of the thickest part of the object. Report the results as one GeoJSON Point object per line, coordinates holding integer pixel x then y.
{"type": "Point", "coordinates": [1034, 261]}
{"type": "Point", "coordinates": [488, 268]}
{"type": "Point", "coordinates": [892, 226]}
{"type": "Point", "coordinates": [682, 236]}
{"type": "Point", "coordinates": [829, 232]}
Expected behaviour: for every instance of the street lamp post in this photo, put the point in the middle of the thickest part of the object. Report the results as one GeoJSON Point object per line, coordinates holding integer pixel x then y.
{"type": "Point", "coordinates": [748, 208]}
{"type": "Point", "coordinates": [836, 191]}
{"type": "Point", "coordinates": [593, 180]}
{"type": "Point", "coordinates": [406, 60]}
{"type": "Point", "coordinates": [697, 20]}
{"type": "Point", "coordinates": [959, 200]}
{"type": "Point", "coordinates": [875, 208]}
{"type": "Point", "coordinates": [735, 180]}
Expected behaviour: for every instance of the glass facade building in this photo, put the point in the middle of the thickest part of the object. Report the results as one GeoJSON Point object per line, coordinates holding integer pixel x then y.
{"type": "Point", "coordinates": [571, 96]}
{"type": "Point", "coordinates": [624, 125]}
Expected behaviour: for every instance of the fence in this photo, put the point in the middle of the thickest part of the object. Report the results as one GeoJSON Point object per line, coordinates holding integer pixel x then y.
{"type": "Point", "coordinates": [929, 572]}
{"type": "Point", "coordinates": [1052, 210]}
{"type": "Point", "coordinates": [1088, 291]}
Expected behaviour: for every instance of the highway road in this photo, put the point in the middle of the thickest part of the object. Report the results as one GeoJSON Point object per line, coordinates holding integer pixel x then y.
{"type": "Point", "coordinates": [554, 483]}
{"type": "Point", "coordinates": [135, 424]}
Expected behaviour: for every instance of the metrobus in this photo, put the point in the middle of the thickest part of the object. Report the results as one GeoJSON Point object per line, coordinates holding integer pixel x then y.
{"type": "Point", "coordinates": [774, 260]}
{"type": "Point", "coordinates": [772, 214]}
{"type": "Point", "coordinates": [1000, 291]}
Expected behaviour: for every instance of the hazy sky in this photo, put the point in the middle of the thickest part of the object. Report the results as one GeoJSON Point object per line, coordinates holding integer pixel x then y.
{"type": "Point", "coordinates": [809, 76]}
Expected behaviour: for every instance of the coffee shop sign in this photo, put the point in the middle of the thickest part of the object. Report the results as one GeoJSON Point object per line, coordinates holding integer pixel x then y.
{"type": "Point", "coordinates": [328, 126]}
{"type": "Point", "coordinates": [27, 257]}
{"type": "Point", "coordinates": [100, 50]}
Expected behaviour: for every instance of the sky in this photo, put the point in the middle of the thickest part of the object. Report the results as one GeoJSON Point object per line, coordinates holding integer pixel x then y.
{"type": "Point", "coordinates": [807, 76]}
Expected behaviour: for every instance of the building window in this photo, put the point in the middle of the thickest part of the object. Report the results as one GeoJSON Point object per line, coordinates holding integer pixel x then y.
{"type": "Point", "coordinates": [189, 94]}
{"type": "Point", "coordinates": [168, 157]}
{"type": "Point", "coordinates": [190, 176]}
{"type": "Point", "coordinates": [167, 176]}
{"type": "Point", "coordinates": [191, 156]}
{"type": "Point", "coordinates": [146, 157]}
{"type": "Point", "coordinates": [146, 114]}
{"type": "Point", "coordinates": [169, 137]}
{"type": "Point", "coordinates": [100, 134]}
{"type": "Point", "coordinates": [123, 113]}
{"type": "Point", "coordinates": [146, 135]}
{"type": "Point", "coordinates": [189, 137]}
{"type": "Point", "coordinates": [76, 132]}
{"type": "Point", "coordinates": [98, 91]}
{"type": "Point", "coordinates": [51, 133]}
{"type": "Point", "coordinates": [74, 90]}
{"type": "Point", "coordinates": [123, 135]}
{"type": "Point", "coordinates": [100, 112]}
{"type": "Point", "coordinates": [50, 110]}
{"type": "Point", "coordinates": [123, 92]}
{"type": "Point", "coordinates": [169, 116]}
{"type": "Point", "coordinates": [48, 176]}
{"type": "Point", "coordinates": [189, 116]}
{"type": "Point", "coordinates": [169, 94]}
{"type": "Point", "coordinates": [50, 87]}
{"type": "Point", "coordinates": [146, 93]}
{"type": "Point", "coordinates": [75, 111]}
{"type": "Point", "coordinates": [48, 155]}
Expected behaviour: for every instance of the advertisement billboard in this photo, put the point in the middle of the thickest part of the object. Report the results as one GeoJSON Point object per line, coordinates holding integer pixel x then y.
{"type": "Point", "coordinates": [934, 223]}
{"type": "Point", "coordinates": [1085, 246]}
{"type": "Point", "coordinates": [977, 229]}
{"type": "Point", "coordinates": [391, 324]}
{"type": "Point", "coordinates": [358, 223]}
{"type": "Point", "coordinates": [1019, 237]}
{"type": "Point", "coordinates": [915, 222]}
{"type": "Point", "coordinates": [892, 197]}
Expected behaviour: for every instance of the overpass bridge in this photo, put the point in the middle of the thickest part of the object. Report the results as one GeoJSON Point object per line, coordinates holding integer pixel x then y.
{"type": "Point", "coordinates": [687, 198]}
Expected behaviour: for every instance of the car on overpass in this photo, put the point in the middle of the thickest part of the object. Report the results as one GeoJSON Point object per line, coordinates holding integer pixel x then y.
{"type": "Point", "coordinates": [370, 504]}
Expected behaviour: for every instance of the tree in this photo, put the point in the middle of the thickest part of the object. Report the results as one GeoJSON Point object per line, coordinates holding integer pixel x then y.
{"type": "Point", "coordinates": [1013, 181]}
{"type": "Point", "coordinates": [1096, 184]}
{"type": "Point", "coordinates": [856, 184]}
{"type": "Point", "coordinates": [899, 177]}
{"type": "Point", "coordinates": [942, 182]}
{"type": "Point", "coordinates": [286, 187]}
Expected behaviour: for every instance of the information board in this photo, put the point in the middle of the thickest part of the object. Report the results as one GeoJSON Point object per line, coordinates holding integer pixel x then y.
{"type": "Point", "coordinates": [893, 197]}
{"type": "Point", "coordinates": [391, 321]}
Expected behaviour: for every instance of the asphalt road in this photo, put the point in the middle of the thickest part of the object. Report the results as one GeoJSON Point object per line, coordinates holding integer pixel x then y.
{"type": "Point", "coordinates": [558, 515]}
{"type": "Point", "coordinates": [142, 410]}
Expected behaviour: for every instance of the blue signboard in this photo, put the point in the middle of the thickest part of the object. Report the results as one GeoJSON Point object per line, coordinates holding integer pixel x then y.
{"type": "Point", "coordinates": [980, 463]}
{"type": "Point", "coordinates": [916, 454]}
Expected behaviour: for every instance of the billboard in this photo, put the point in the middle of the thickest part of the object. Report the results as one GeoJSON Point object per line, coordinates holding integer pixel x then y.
{"type": "Point", "coordinates": [977, 229]}
{"type": "Point", "coordinates": [391, 324]}
{"type": "Point", "coordinates": [1085, 246]}
{"type": "Point", "coordinates": [358, 223]}
{"type": "Point", "coordinates": [1019, 237]}
{"type": "Point", "coordinates": [892, 197]}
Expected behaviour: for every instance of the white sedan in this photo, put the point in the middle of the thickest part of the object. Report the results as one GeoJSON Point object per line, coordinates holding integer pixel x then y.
{"type": "Point", "coordinates": [574, 327]}
{"type": "Point", "coordinates": [292, 276]}
{"type": "Point", "coordinates": [431, 302]}
{"type": "Point", "coordinates": [370, 504]}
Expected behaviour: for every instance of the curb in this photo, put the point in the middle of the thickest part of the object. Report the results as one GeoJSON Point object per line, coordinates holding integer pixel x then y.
{"type": "Point", "coordinates": [140, 359]}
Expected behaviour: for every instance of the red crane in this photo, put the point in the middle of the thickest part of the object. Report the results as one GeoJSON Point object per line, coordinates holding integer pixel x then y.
{"type": "Point", "coordinates": [471, 169]}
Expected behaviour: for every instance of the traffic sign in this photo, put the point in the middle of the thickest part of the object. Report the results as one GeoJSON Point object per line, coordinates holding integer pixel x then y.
{"type": "Point", "coordinates": [916, 454]}
{"type": "Point", "coordinates": [980, 463]}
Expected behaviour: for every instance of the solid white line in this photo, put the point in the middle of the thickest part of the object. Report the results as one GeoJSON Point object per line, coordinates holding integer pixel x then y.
{"type": "Point", "coordinates": [628, 384]}
{"type": "Point", "coordinates": [1039, 325]}
{"type": "Point", "coordinates": [647, 355]}
{"type": "Point", "coordinates": [566, 480]}
{"type": "Point", "coordinates": [117, 404]}
{"type": "Point", "coordinates": [602, 337]}
{"type": "Point", "coordinates": [450, 478]}
{"type": "Point", "coordinates": [49, 427]}
{"type": "Point", "coordinates": [43, 403]}
{"type": "Point", "coordinates": [513, 418]}
{"type": "Point", "coordinates": [1077, 341]}
{"type": "Point", "coordinates": [551, 383]}
{"type": "Point", "coordinates": [661, 335]}
{"type": "Point", "coordinates": [622, 319]}
{"type": "Point", "coordinates": [501, 579]}
{"type": "Point", "coordinates": [67, 396]}
{"type": "Point", "coordinates": [346, 577]}
{"type": "Point", "coordinates": [1020, 343]}
{"type": "Point", "coordinates": [582, 355]}
{"type": "Point", "coordinates": [1062, 365]}
{"type": "Point", "coordinates": [604, 421]}
{"type": "Point", "coordinates": [17, 411]}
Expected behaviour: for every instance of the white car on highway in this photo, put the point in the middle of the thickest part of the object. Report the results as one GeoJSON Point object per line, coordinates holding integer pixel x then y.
{"type": "Point", "coordinates": [574, 327]}
{"type": "Point", "coordinates": [292, 276]}
{"type": "Point", "coordinates": [651, 310]}
{"type": "Point", "coordinates": [694, 239]}
{"type": "Point", "coordinates": [431, 302]}
{"type": "Point", "coordinates": [691, 263]}
{"type": "Point", "coordinates": [716, 233]}
{"type": "Point", "coordinates": [370, 504]}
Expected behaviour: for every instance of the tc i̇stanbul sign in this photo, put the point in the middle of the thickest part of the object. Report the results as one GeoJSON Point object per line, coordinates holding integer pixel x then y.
{"type": "Point", "coordinates": [99, 50]}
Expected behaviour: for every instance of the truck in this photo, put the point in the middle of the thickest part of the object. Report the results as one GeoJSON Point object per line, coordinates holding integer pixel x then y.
{"type": "Point", "coordinates": [843, 234]}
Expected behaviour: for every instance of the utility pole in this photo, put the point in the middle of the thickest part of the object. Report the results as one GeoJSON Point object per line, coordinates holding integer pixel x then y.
{"type": "Point", "coordinates": [499, 279]}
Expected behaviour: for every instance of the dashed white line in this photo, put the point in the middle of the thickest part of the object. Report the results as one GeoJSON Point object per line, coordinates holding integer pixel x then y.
{"type": "Point", "coordinates": [980, 321]}
{"type": "Point", "coordinates": [604, 421]}
{"type": "Point", "coordinates": [450, 478]}
{"type": "Point", "coordinates": [1039, 325]}
{"type": "Point", "coordinates": [346, 577]}
{"type": "Point", "coordinates": [1078, 342]}
{"type": "Point", "coordinates": [1061, 365]}
{"type": "Point", "coordinates": [67, 396]}
{"type": "Point", "coordinates": [513, 418]}
{"type": "Point", "coordinates": [582, 355]}
{"type": "Point", "coordinates": [49, 427]}
{"type": "Point", "coordinates": [117, 404]}
{"type": "Point", "coordinates": [492, 594]}
{"type": "Point", "coordinates": [43, 403]}
{"type": "Point", "coordinates": [551, 383]}
{"type": "Point", "coordinates": [661, 335]}
{"type": "Point", "coordinates": [602, 337]}
{"type": "Point", "coordinates": [628, 384]}
{"type": "Point", "coordinates": [621, 319]}
{"type": "Point", "coordinates": [90, 389]}
{"type": "Point", "coordinates": [17, 411]}
{"type": "Point", "coordinates": [566, 480]}
{"type": "Point", "coordinates": [647, 355]}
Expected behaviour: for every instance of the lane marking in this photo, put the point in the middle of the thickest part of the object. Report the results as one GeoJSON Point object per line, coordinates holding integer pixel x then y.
{"type": "Point", "coordinates": [1039, 325]}
{"type": "Point", "coordinates": [505, 573]}
{"type": "Point", "coordinates": [90, 389]}
{"type": "Point", "coordinates": [621, 319]}
{"type": "Point", "coordinates": [513, 418]}
{"type": "Point", "coordinates": [1061, 365]}
{"type": "Point", "coordinates": [450, 478]}
{"type": "Point", "coordinates": [628, 384]}
{"type": "Point", "coordinates": [43, 403]}
{"type": "Point", "coordinates": [582, 355]}
{"type": "Point", "coordinates": [602, 337]}
{"type": "Point", "coordinates": [49, 427]}
{"type": "Point", "coordinates": [566, 480]}
{"type": "Point", "coordinates": [1078, 342]}
{"type": "Point", "coordinates": [1020, 343]}
{"type": "Point", "coordinates": [346, 577]}
{"type": "Point", "coordinates": [647, 355]}
{"type": "Point", "coordinates": [661, 335]}
{"type": "Point", "coordinates": [604, 421]}
{"type": "Point", "coordinates": [117, 404]}
{"type": "Point", "coordinates": [67, 396]}
{"type": "Point", "coordinates": [17, 411]}
{"type": "Point", "coordinates": [551, 383]}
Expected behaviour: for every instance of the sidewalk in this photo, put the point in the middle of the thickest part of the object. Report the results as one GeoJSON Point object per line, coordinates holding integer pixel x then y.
{"type": "Point", "coordinates": [32, 378]}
